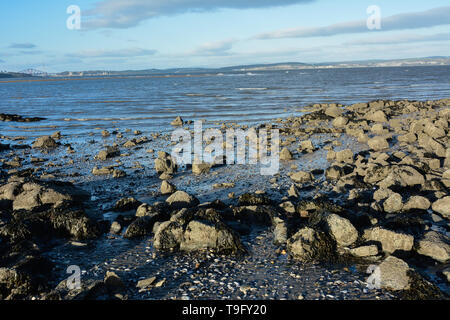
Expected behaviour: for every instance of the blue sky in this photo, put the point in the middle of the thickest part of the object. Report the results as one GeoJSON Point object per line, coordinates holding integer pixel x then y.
{"type": "Point", "coordinates": [141, 34]}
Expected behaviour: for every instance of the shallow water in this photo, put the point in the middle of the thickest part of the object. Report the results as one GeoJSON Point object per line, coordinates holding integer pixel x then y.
{"type": "Point", "coordinates": [79, 105]}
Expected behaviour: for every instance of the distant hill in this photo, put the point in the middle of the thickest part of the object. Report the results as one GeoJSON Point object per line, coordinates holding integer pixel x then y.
{"type": "Point", "coordinates": [427, 61]}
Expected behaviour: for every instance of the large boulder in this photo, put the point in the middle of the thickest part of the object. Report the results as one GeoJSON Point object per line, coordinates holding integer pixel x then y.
{"type": "Point", "coordinates": [202, 234]}
{"type": "Point", "coordinates": [341, 230]}
{"type": "Point", "coordinates": [393, 274]}
{"type": "Point", "coordinates": [181, 199]}
{"type": "Point", "coordinates": [309, 245]}
{"type": "Point", "coordinates": [378, 143]}
{"type": "Point", "coordinates": [434, 245]}
{"type": "Point", "coordinates": [302, 177]}
{"type": "Point", "coordinates": [390, 241]}
{"type": "Point", "coordinates": [45, 142]}
{"type": "Point", "coordinates": [168, 236]}
{"type": "Point", "coordinates": [442, 206]}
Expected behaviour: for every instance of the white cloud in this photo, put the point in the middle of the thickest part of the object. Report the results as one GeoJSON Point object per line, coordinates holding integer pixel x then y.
{"type": "Point", "coordinates": [401, 38]}
{"type": "Point", "coordinates": [413, 20]}
{"type": "Point", "coordinates": [119, 53]}
{"type": "Point", "coordinates": [218, 48]}
{"type": "Point", "coordinates": [126, 14]}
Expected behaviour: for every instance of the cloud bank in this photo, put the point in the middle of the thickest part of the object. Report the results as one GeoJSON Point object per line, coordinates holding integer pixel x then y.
{"type": "Point", "coordinates": [126, 14]}
{"type": "Point", "coordinates": [414, 20]}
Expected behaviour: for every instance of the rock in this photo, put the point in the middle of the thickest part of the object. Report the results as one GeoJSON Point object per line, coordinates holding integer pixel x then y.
{"type": "Point", "coordinates": [56, 135]}
{"type": "Point", "coordinates": [285, 154]}
{"type": "Point", "coordinates": [345, 156]}
{"type": "Point", "coordinates": [340, 122]}
{"type": "Point", "coordinates": [105, 133]}
{"type": "Point", "coordinates": [165, 164]}
{"type": "Point", "coordinates": [293, 192]}
{"type": "Point", "coordinates": [433, 131]}
{"type": "Point", "coordinates": [334, 173]}
{"type": "Point", "coordinates": [288, 207]}
{"type": "Point", "coordinates": [280, 232]}
{"type": "Point", "coordinates": [403, 176]}
{"type": "Point", "coordinates": [181, 199]}
{"type": "Point", "coordinates": [393, 203]}
{"type": "Point", "coordinates": [126, 204]}
{"type": "Point", "coordinates": [141, 227]}
{"type": "Point", "coordinates": [394, 274]}
{"type": "Point", "coordinates": [364, 251]}
{"type": "Point", "coordinates": [333, 111]}
{"type": "Point", "coordinates": [434, 245]}
{"type": "Point", "coordinates": [168, 236]}
{"type": "Point", "coordinates": [442, 206]}
{"type": "Point", "coordinates": [307, 146]}
{"type": "Point", "coordinates": [309, 245]}
{"type": "Point", "coordinates": [143, 284]}
{"type": "Point", "coordinates": [74, 224]}
{"type": "Point", "coordinates": [377, 116]}
{"type": "Point", "coordinates": [108, 153]}
{"type": "Point", "coordinates": [301, 177]}
{"type": "Point", "coordinates": [45, 142]}
{"type": "Point", "coordinates": [249, 199]}
{"type": "Point", "coordinates": [341, 230]}
{"type": "Point", "coordinates": [201, 235]}
{"type": "Point", "coordinates": [102, 171]}
{"type": "Point", "coordinates": [200, 168]}
{"type": "Point", "coordinates": [113, 282]}
{"type": "Point", "coordinates": [417, 203]}
{"type": "Point", "coordinates": [115, 228]}
{"type": "Point", "coordinates": [177, 121]}
{"type": "Point", "coordinates": [378, 143]}
{"type": "Point", "coordinates": [167, 188]}
{"type": "Point", "coordinates": [391, 241]}
{"type": "Point", "coordinates": [117, 173]}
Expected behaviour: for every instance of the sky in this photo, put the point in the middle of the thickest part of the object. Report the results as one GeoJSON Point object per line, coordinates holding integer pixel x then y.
{"type": "Point", "coordinates": [145, 34]}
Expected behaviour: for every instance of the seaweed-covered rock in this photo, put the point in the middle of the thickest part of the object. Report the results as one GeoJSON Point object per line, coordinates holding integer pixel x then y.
{"type": "Point", "coordinates": [434, 245]}
{"type": "Point", "coordinates": [181, 199]}
{"type": "Point", "coordinates": [309, 245]}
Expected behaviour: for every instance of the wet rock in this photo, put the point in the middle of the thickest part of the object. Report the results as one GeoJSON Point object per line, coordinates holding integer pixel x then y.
{"type": "Point", "coordinates": [165, 164]}
{"type": "Point", "coordinates": [45, 142]}
{"type": "Point", "coordinates": [167, 188]}
{"type": "Point", "coordinates": [200, 168]}
{"type": "Point", "coordinates": [391, 241]}
{"type": "Point", "coordinates": [293, 191]}
{"type": "Point", "coordinates": [341, 230]}
{"type": "Point", "coordinates": [434, 245]}
{"type": "Point", "coordinates": [259, 214]}
{"type": "Point", "coordinates": [378, 143]}
{"type": "Point", "coordinates": [364, 251]}
{"type": "Point", "coordinates": [251, 199]}
{"type": "Point", "coordinates": [177, 121]}
{"type": "Point", "coordinates": [285, 154]}
{"type": "Point", "coordinates": [201, 235]}
{"type": "Point", "coordinates": [113, 282]}
{"type": "Point", "coordinates": [334, 173]}
{"type": "Point", "coordinates": [74, 224]}
{"type": "Point", "coordinates": [126, 204]}
{"type": "Point", "coordinates": [102, 171]}
{"type": "Point", "coordinates": [302, 177]}
{"type": "Point", "coordinates": [117, 173]}
{"type": "Point", "coordinates": [394, 274]}
{"type": "Point", "coordinates": [280, 232]}
{"type": "Point", "coordinates": [142, 226]}
{"type": "Point", "coordinates": [181, 199]}
{"type": "Point", "coordinates": [309, 245]}
{"type": "Point", "coordinates": [307, 146]}
{"type": "Point", "coordinates": [108, 153]}
{"type": "Point", "coordinates": [442, 206]}
{"type": "Point", "coordinates": [168, 236]}
{"type": "Point", "coordinates": [116, 227]}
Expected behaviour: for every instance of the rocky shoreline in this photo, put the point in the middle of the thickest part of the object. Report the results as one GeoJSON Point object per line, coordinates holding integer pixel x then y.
{"type": "Point", "coordinates": [360, 186]}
